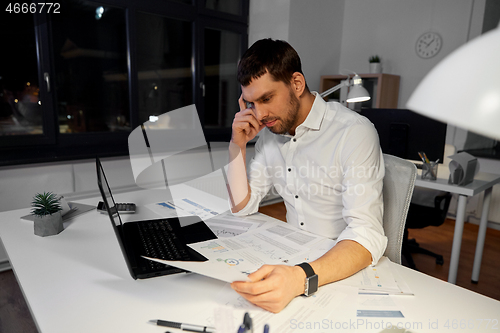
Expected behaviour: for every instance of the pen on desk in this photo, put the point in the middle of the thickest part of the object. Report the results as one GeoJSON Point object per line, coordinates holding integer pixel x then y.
{"type": "Point", "coordinates": [247, 321]}
{"type": "Point", "coordinates": [241, 329]}
{"type": "Point", "coordinates": [184, 327]}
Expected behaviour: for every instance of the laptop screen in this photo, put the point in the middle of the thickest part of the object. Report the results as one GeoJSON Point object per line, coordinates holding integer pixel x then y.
{"type": "Point", "coordinates": [109, 202]}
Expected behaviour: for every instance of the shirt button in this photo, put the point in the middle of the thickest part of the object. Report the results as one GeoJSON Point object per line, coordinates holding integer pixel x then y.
{"type": "Point", "coordinates": [294, 140]}
{"type": "Point", "coordinates": [289, 169]}
{"type": "Point", "coordinates": [301, 223]}
{"type": "Point", "coordinates": [296, 197]}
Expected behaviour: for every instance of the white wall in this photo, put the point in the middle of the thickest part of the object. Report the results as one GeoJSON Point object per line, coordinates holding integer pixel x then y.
{"type": "Point", "coordinates": [336, 35]}
{"type": "Point", "coordinates": [268, 19]}
{"type": "Point", "coordinates": [316, 33]}
{"type": "Point", "coordinates": [314, 29]}
{"type": "Point", "coordinates": [390, 29]}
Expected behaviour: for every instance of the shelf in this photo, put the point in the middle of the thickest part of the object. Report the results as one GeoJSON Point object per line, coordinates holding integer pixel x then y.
{"type": "Point", "coordinates": [383, 88]}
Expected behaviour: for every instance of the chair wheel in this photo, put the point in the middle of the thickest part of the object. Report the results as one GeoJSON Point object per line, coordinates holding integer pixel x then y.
{"type": "Point", "coordinates": [440, 260]}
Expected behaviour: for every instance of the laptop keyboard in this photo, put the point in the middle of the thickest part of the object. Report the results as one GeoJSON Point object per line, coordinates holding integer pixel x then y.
{"type": "Point", "coordinates": [160, 242]}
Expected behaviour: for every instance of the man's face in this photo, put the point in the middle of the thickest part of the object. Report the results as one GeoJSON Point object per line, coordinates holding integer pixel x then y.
{"type": "Point", "coordinates": [274, 103]}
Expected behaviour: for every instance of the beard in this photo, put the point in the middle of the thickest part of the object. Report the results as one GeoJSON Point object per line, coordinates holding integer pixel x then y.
{"type": "Point", "coordinates": [289, 120]}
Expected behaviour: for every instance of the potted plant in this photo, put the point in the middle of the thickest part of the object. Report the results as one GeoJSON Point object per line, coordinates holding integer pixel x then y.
{"type": "Point", "coordinates": [375, 66]}
{"type": "Point", "coordinates": [47, 211]}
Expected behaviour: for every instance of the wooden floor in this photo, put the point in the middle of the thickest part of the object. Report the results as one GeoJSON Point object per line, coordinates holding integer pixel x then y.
{"type": "Point", "coordinates": [14, 314]}
{"type": "Point", "coordinates": [16, 318]}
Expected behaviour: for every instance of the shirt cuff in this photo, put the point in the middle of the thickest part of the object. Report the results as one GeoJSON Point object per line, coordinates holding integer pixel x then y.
{"type": "Point", "coordinates": [371, 240]}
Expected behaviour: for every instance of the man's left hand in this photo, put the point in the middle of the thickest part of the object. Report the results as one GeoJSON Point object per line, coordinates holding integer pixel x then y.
{"type": "Point", "coordinates": [272, 287]}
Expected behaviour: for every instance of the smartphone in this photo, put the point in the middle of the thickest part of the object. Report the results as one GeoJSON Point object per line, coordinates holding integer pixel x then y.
{"type": "Point", "coordinates": [123, 208]}
{"type": "Point", "coordinates": [249, 105]}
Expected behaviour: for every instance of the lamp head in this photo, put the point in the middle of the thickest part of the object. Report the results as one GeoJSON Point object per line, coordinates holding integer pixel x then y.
{"type": "Point", "coordinates": [357, 93]}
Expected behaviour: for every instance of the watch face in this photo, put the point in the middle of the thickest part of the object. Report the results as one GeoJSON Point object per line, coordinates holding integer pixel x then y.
{"type": "Point", "coordinates": [428, 45]}
{"type": "Point", "coordinates": [311, 285]}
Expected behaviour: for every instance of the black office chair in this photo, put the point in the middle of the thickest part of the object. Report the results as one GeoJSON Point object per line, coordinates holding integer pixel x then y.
{"type": "Point", "coordinates": [419, 217]}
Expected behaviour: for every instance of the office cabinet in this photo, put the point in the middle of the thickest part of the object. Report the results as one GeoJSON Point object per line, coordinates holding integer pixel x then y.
{"type": "Point", "coordinates": [383, 89]}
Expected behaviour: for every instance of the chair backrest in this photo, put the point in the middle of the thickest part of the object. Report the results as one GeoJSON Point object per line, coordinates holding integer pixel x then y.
{"type": "Point", "coordinates": [399, 181]}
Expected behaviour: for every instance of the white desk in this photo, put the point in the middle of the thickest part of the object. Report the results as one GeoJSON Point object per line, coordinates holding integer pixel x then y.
{"type": "Point", "coordinates": [77, 281]}
{"type": "Point", "coordinates": [482, 182]}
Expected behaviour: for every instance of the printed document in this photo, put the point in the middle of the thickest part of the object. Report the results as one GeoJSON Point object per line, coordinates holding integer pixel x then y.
{"type": "Point", "coordinates": [232, 259]}
{"type": "Point", "coordinates": [189, 201]}
{"type": "Point", "coordinates": [301, 314]}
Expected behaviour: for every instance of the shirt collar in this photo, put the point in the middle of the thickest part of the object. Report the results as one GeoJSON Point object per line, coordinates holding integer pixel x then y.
{"type": "Point", "coordinates": [316, 115]}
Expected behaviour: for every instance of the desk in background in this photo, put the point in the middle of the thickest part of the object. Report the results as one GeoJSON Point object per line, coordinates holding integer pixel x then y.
{"type": "Point", "coordinates": [77, 281]}
{"type": "Point", "coordinates": [482, 182]}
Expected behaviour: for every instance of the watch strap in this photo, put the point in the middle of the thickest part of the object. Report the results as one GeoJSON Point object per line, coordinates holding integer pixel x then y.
{"type": "Point", "coordinates": [307, 269]}
{"type": "Point", "coordinates": [311, 285]}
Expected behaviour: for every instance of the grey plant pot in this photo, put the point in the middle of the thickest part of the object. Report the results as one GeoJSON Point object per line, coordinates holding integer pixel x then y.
{"type": "Point", "coordinates": [375, 68]}
{"type": "Point", "coordinates": [48, 225]}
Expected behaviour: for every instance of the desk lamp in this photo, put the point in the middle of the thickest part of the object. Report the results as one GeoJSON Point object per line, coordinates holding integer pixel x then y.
{"type": "Point", "coordinates": [464, 88]}
{"type": "Point", "coordinates": [356, 93]}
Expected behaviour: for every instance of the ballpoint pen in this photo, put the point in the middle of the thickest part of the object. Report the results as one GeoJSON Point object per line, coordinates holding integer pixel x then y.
{"type": "Point", "coordinates": [184, 327]}
{"type": "Point", "coordinates": [247, 321]}
{"type": "Point", "coordinates": [421, 156]}
{"type": "Point", "coordinates": [426, 159]}
{"type": "Point", "coordinates": [241, 329]}
{"type": "Point", "coordinates": [266, 328]}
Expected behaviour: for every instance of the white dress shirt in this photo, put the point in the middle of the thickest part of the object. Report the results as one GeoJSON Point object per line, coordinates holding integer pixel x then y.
{"type": "Point", "coordinates": [330, 175]}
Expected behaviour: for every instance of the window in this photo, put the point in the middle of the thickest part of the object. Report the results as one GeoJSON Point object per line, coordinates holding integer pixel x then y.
{"type": "Point", "coordinates": [164, 48]}
{"type": "Point", "coordinates": [20, 105]}
{"type": "Point", "coordinates": [221, 93]}
{"type": "Point", "coordinates": [82, 79]}
{"type": "Point", "coordinates": [90, 62]}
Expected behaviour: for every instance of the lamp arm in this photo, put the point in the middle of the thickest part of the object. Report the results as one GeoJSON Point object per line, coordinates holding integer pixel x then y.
{"type": "Point", "coordinates": [344, 83]}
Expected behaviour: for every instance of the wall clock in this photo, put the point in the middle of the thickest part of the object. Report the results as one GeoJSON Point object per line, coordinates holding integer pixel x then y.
{"type": "Point", "coordinates": [428, 45]}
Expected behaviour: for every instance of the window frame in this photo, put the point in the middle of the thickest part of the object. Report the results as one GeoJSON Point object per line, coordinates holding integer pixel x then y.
{"type": "Point", "coordinates": [54, 146]}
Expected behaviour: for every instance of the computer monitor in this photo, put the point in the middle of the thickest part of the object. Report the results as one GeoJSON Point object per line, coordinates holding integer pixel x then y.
{"type": "Point", "coordinates": [404, 133]}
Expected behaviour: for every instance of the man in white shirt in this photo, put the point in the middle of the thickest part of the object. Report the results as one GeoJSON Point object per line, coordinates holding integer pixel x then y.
{"type": "Point", "coordinates": [322, 158]}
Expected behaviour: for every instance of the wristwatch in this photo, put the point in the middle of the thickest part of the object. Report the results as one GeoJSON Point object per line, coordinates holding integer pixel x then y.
{"type": "Point", "coordinates": [311, 285]}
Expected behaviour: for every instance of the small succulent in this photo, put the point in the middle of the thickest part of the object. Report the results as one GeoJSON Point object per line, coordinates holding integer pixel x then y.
{"type": "Point", "coordinates": [45, 204]}
{"type": "Point", "coordinates": [374, 58]}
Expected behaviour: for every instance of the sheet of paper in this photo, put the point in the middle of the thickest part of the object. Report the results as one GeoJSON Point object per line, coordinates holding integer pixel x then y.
{"type": "Point", "coordinates": [228, 225]}
{"type": "Point", "coordinates": [302, 314]}
{"type": "Point", "coordinates": [227, 270]}
{"type": "Point", "coordinates": [316, 251]}
{"type": "Point", "coordinates": [188, 201]}
{"type": "Point", "coordinates": [274, 243]}
{"type": "Point", "coordinates": [374, 279]}
{"type": "Point", "coordinates": [404, 288]}
{"type": "Point", "coordinates": [232, 259]}
{"type": "Point", "coordinates": [377, 307]}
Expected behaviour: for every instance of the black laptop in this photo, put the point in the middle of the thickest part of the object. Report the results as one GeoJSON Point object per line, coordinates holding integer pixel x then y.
{"type": "Point", "coordinates": [159, 238]}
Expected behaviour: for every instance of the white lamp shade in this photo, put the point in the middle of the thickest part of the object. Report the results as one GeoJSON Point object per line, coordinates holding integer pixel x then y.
{"type": "Point", "coordinates": [464, 88]}
{"type": "Point", "coordinates": [357, 94]}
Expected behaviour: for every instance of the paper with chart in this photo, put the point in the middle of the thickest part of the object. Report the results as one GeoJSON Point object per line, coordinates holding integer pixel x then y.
{"type": "Point", "coordinates": [228, 225]}
{"type": "Point", "coordinates": [378, 279]}
{"type": "Point", "coordinates": [232, 259]}
{"type": "Point", "coordinates": [188, 201]}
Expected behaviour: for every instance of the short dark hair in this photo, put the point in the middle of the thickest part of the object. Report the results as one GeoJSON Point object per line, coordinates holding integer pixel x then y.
{"type": "Point", "coordinates": [276, 57]}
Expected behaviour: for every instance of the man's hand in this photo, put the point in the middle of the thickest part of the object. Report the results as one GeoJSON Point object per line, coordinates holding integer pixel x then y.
{"type": "Point", "coordinates": [272, 287]}
{"type": "Point", "coordinates": [245, 125]}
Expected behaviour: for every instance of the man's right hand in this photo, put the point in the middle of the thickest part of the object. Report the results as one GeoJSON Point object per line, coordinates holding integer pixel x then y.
{"type": "Point", "coordinates": [245, 125]}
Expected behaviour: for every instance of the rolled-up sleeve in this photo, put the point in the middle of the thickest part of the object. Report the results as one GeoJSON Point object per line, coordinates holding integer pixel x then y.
{"type": "Point", "coordinates": [259, 180]}
{"type": "Point", "coordinates": [363, 174]}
